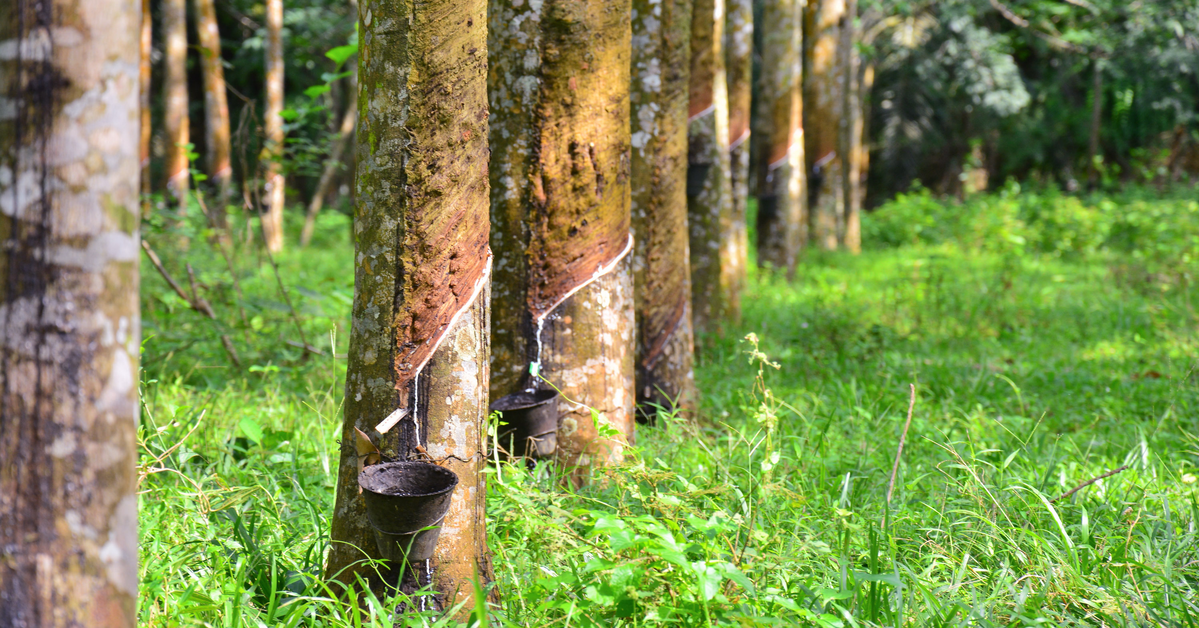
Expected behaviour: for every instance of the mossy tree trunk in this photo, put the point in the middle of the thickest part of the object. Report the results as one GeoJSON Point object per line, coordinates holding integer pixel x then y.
{"type": "Point", "coordinates": [276, 191]}
{"type": "Point", "coordinates": [419, 341]}
{"type": "Point", "coordinates": [563, 289]}
{"type": "Point", "coordinates": [216, 110]}
{"type": "Point", "coordinates": [662, 273]}
{"type": "Point", "coordinates": [782, 202]}
{"type": "Point", "coordinates": [69, 325]}
{"type": "Point", "coordinates": [176, 123]}
{"type": "Point", "coordinates": [822, 87]}
{"type": "Point", "coordinates": [849, 231]}
{"type": "Point", "coordinates": [739, 50]}
{"type": "Point", "coordinates": [714, 299]}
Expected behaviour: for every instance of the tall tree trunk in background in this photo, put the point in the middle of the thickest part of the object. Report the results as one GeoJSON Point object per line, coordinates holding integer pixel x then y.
{"type": "Point", "coordinates": [176, 123]}
{"type": "Point", "coordinates": [739, 49]}
{"type": "Point", "coordinates": [822, 104]}
{"type": "Point", "coordinates": [216, 109]}
{"type": "Point", "coordinates": [69, 325]}
{"type": "Point", "coordinates": [345, 134]}
{"type": "Point", "coordinates": [662, 273]}
{"type": "Point", "coordinates": [782, 220]}
{"type": "Point", "coordinates": [709, 195]}
{"type": "Point", "coordinates": [849, 231]}
{"type": "Point", "coordinates": [144, 65]}
{"type": "Point", "coordinates": [272, 219]}
{"type": "Point", "coordinates": [1096, 121]}
{"type": "Point", "coordinates": [420, 318]}
{"type": "Point", "coordinates": [864, 99]}
{"type": "Point", "coordinates": [563, 290]}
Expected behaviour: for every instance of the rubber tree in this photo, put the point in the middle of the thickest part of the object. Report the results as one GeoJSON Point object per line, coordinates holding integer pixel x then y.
{"type": "Point", "coordinates": [216, 110]}
{"type": "Point", "coordinates": [144, 66]}
{"type": "Point", "coordinates": [418, 359]}
{"type": "Point", "coordinates": [739, 49]}
{"type": "Point", "coordinates": [849, 228]}
{"type": "Point", "coordinates": [661, 69]}
{"type": "Point", "coordinates": [563, 292]}
{"type": "Point", "coordinates": [176, 123]}
{"type": "Point", "coordinates": [69, 325]}
{"type": "Point", "coordinates": [822, 87]}
{"type": "Point", "coordinates": [714, 297]}
{"type": "Point", "coordinates": [779, 135]}
{"type": "Point", "coordinates": [272, 154]}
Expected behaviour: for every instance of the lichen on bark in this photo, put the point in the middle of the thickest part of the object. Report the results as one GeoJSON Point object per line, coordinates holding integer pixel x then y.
{"type": "Point", "coordinates": [782, 220]}
{"type": "Point", "coordinates": [69, 324]}
{"type": "Point", "coordinates": [420, 315]}
{"type": "Point", "coordinates": [559, 93]}
{"type": "Point", "coordinates": [709, 200]}
{"type": "Point", "coordinates": [659, 93]}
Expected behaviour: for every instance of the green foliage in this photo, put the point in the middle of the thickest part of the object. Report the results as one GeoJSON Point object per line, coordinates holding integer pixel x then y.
{"type": "Point", "coordinates": [1036, 370]}
{"type": "Point", "coordinates": [1159, 233]}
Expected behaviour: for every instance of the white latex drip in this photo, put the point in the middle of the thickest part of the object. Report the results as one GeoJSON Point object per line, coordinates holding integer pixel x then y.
{"type": "Point", "coordinates": [535, 366]}
{"type": "Point", "coordinates": [415, 395]}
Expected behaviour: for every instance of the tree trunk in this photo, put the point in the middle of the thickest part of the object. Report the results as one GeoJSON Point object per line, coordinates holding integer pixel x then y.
{"type": "Point", "coordinates": [849, 230]}
{"type": "Point", "coordinates": [216, 109]}
{"type": "Point", "coordinates": [272, 218]}
{"type": "Point", "coordinates": [144, 64]}
{"type": "Point", "coordinates": [864, 96]}
{"type": "Point", "coordinates": [344, 136]}
{"type": "Point", "coordinates": [69, 325]}
{"type": "Point", "coordinates": [1096, 122]}
{"type": "Point", "coordinates": [739, 48]}
{"type": "Point", "coordinates": [782, 223]}
{"type": "Point", "coordinates": [420, 332]}
{"type": "Point", "coordinates": [822, 103]}
{"type": "Point", "coordinates": [662, 274]}
{"type": "Point", "coordinates": [563, 290]}
{"type": "Point", "coordinates": [709, 197]}
{"type": "Point", "coordinates": [177, 125]}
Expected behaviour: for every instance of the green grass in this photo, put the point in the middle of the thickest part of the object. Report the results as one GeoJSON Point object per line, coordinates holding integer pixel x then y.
{"type": "Point", "coordinates": [1035, 370]}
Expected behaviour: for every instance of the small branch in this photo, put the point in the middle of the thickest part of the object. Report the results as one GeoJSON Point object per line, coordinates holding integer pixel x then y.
{"type": "Point", "coordinates": [194, 301]}
{"type": "Point", "coordinates": [902, 437]}
{"type": "Point", "coordinates": [1088, 483]}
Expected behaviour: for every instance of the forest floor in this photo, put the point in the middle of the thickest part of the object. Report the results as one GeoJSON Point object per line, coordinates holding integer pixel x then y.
{"type": "Point", "coordinates": [1034, 373]}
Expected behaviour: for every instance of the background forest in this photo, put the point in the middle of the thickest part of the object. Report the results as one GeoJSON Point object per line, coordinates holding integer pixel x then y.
{"type": "Point", "coordinates": [1022, 316]}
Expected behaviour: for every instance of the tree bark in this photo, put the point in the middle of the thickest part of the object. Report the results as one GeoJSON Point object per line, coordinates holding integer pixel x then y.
{"type": "Point", "coordinates": [216, 109]}
{"type": "Point", "coordinates": [177, 124]}
{"type": "Point", "coordinates": [822, 102]}
{"type": "Point", "coordinates": [739, 48]}
{"type": "Point", "coordinates": [144, 65]}
{"type": "Point", "coordinates": [345, 135]}
{"type": "Point", "coordinates": [563, 290]}
{"type": "Point", "coordinates": [272, 218]}
{"type": "Point", "coordinates": [662, 274]}
{"type": "Point", "coordinates": [419, 340]}
{"type": "Point", "coordinates": [709, 196]}
{"type": "Point", "coordinates": [782, 194]}
{"type": "Point", "coordinates": [69, 325]}
{"type": "Point", "coordinates": [849, 229]}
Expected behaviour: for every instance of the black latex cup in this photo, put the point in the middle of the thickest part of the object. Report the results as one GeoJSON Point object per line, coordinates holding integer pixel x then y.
{"type": "Point", "coordinates": [532, 422]}
{"type": "Point", "coordinates": [403, 497]}
{"type": "Point", "coordinates": [411, 546]}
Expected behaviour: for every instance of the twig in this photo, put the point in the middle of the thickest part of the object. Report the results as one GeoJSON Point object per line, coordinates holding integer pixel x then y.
{"type": "Point", "coordinates": [902, 437]}
{"type": "Point", "coordinates": [1089, 482]}
{"type": "Point", "coordinates": [195, 301]}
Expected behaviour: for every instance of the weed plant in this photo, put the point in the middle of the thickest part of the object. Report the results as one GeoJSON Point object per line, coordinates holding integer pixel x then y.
{"type": "Point", "coordinates": [1036, 369]}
